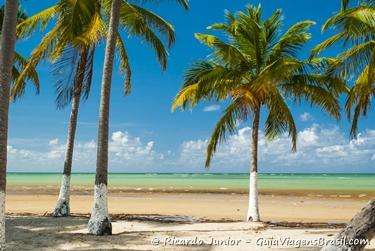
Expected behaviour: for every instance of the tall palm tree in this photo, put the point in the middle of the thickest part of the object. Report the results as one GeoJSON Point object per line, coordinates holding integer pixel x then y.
{"type": "Point", "coordinates": [7, 46]}
{"type": "Point", "coordinates": [257, 69]}
{"type": "Point", "coordinates": [81, 86]}
{"type": "Point", "coordinates": [355, 25]}
{"type": "Point", "coordinates": [72, 50]}
{"type": "Point", "coordinates": [100, 223]}
{"type": "Point", "coordinates": [76, 28]}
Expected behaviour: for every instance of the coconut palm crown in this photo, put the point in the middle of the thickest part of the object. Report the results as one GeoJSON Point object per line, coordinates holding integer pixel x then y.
{"type": "Point", "coordinates": [254, 68]}
{"type": "Point", "coordinates": [355, 26]}
{"type": "Point", "coordinates": [83, 23]}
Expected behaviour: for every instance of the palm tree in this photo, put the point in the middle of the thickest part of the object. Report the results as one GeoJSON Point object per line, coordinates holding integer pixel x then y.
{"type": "Point", "coordinates": [355, 27]}
{"type": "Point", "coordinates": [7, 46]}
{"type": "Point", "coordinates": [257, 69]}
{"type": "Point", "coordinates": [72, 49]}
{"type": "Point", "coordinates": [100, 223]}
{"type": "Point", "coordinates": [71, 30]}
{"type": "Point", "coordinates": [81, 86]}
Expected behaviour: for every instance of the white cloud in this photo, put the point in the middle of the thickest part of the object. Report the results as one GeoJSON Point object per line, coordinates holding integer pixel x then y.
{"type": "Point", "coordinates": [126, 148]}
{"type": "Point", "coordinates": [320, 149]}
{"type": "Point", "coordinates": [309, 135]}
{"type": "Point", "coordinates": [53, 142]}
{"type": "Point", "coordinates": [212, 108]}
{"type": "Point", "coordinates": [305, 117]}
{"type": "Point", "coordinates": [124, 151]}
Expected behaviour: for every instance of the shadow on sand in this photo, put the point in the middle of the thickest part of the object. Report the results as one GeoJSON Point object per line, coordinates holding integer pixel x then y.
{"type": "Point", "coordinates": [48, 233]}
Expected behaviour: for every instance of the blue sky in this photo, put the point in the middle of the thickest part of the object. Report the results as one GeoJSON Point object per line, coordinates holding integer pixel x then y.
{"type": "Point", "coordinates": [147, 136]}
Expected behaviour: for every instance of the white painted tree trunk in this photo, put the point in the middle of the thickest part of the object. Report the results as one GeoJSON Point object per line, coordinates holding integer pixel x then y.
{"type": "Point", "coordinates": [7, 45]}
{"type": "Point", "coordinates": [100, 223]}
{"type": "Point", "coordinates": [63, 208]}
{"type": "Point", "coordinates": [253, 209]}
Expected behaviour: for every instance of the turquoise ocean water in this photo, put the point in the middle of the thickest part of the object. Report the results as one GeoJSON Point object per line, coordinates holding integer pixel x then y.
{"type": "Point", "coordinates": [321, 182]}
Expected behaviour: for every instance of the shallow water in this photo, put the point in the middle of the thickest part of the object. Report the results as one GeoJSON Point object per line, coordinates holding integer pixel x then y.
{"type": "Point", "coordinates": [207, 181]}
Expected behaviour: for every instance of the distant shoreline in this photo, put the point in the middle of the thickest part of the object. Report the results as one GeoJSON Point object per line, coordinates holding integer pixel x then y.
{"type": "Point", "coordinates": [284, 184]}
{"type": "Point", "coordinates": [118, 191]}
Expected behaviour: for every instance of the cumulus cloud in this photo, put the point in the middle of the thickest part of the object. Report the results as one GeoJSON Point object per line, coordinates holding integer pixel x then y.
{"type": "Point", "coordinates": [124, 151]}
{"type": "Point", "coordinates": [125, 148]}
{"type": "Point", "coordinates": [212, 108]}
{"type": "Point", "coordinates": [319, 149]}
{"type": "Point", "coordinates": [305, 117]}
{"type": "Point", "coordinates": [53, 142]}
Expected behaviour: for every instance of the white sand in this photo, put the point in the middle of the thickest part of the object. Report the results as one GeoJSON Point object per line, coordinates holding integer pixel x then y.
{"type": "Point", "coordinates": [211, 206]}
{"type": "Point", "coordinates": [44, 233]}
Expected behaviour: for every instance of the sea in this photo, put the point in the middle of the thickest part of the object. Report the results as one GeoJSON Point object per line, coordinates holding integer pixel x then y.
{"type": "Point", "coordinates": [207, 181]}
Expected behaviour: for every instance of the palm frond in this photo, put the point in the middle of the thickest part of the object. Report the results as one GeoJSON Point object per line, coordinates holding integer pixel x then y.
{"type": "Point", "coordinates": [157, 23]}
{"type": "Point", "coordinates": [190, 94]}
{"type": "Point", "coordinates": [37, 55]}
{"type": "Point", "coordinates": [236, 111]}
{"type": "Point", "coordinates": [358, 23]}
{"type": "Point", "coordinates": [124, 65]}
{"type": "Point", "coordinates": [353, 61]}
{"type": "Point", "coordinates": [359, 98]}
{"type": "Point", "coordinates": [327, 43]}
{"type": "Point", "coordinates": [136, 25]}
{"type": "Point", "coordinates": [223, 51]}
{"type": "Point", "coordinates": [18, 90]}
{"type": "Point", "coordinates": [292, 41]}
{"type": "Point", "coordinates": [280, 120]}
{"type": "Point", "coordinates": [88, 73]}
{"type": "Point", "coordinates": [28, 26]}
{"type": "Point", "coordinates": [65, 71]}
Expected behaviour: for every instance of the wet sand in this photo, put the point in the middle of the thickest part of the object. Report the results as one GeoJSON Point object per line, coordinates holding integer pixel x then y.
{"type": "Point", "coordinates": [159, 220]}
{"type": "Point", "coordinates": [308, 206]}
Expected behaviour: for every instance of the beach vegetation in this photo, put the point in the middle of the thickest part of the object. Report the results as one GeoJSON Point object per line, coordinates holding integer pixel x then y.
{"type": "Point", "coordinates": [70, 44]}
{"type": "Point", "coordinates": [354, 27]}
{"type": "Point", "coordinates": [256, 70]}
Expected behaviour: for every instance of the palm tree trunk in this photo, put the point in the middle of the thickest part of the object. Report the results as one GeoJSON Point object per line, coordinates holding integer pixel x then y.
{"type": "Point", "coordinates": [361, 229]}
{"type": "Point", "coordinates": [7, 45]}
{"type": "Point", "coordinates": [100, 223]}
{"type": "Point", "coordinates": [253, 211]}
{"type": "Point", "coordinates": [62, 208]}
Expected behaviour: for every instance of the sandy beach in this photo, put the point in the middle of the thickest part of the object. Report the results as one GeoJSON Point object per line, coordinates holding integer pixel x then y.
{"type": "Point", "coordinates": [293, 206]}
{"type": "Point", "coordinates": [181, 220]}
{"type": "Point", "coordinates": [46, 233]}
{"type": "Point", "coordinates": [245, 126]}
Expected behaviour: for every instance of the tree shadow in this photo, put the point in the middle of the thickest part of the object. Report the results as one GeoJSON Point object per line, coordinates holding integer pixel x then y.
{"type": "Point", "coordinates": [48, 233]}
